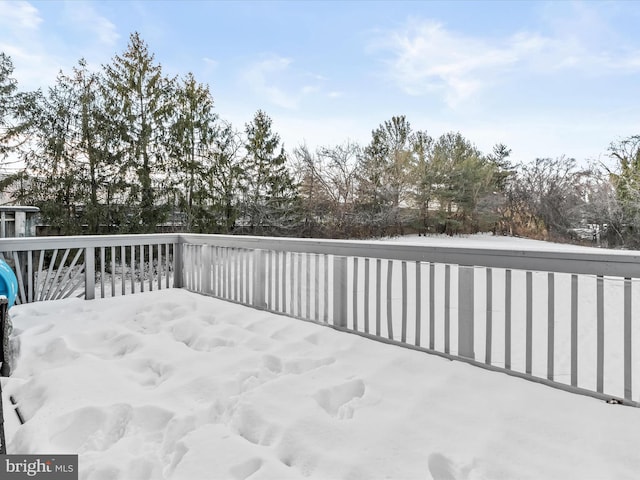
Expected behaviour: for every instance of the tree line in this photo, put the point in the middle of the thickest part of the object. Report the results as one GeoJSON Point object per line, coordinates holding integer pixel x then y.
{"type": "Point", "coordinates": [128, 149]}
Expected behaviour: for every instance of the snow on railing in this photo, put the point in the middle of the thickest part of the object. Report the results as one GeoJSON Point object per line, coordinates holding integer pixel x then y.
{"type": "Point", "coordinates": [561, 318]}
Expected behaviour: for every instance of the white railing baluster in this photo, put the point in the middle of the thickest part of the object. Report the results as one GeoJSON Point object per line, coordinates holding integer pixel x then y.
{"type": "Point", "coordinates": [355, 294]}
{"type": "Point", "coordinates": [432, 306]}
{"type": "Point", "coordinates": [507, 319]}
{"type": "Point", "coordinates": [378, 295]}
{"type": "Point", "coordinates": [259, 279]}
{"type": "Point", "coordinates": [284, 282]}
{"type": "Point", "coordinates": [316, 283]}
{"type": "Point", "coordinates": [447, 309]}
{"type": "Point", "coordinates": [123, 269]}
{"type": "Point", "coordinates": [404, 302]}
{"type": "Point", "coordinates": [133, 268]}
{"type": "Point", "coordinates": [307, 286]}
{"type": "Point", "coordinates": [627, 352]}
{"type": "Point", "coordinates": [574, 330]}
{"type": "Point", "coordinates": [242, 253]}
{"type": "Point", "coordinates": [326, 289]}
{"type": "Point", "coordinates": [150, 247]}
{"type": "Point", "coordinates": [418, 303]}
{"type": "Point", "coordinates": [206, 270]}
{"type": "Point", "coordinates": [366, 295]}
{"type": "Point", "coordinates": [466, 311]}
{"type": "Point", "coordinates": [21, 297]}
{"type": "Point", "coordinates": [292, 283]}
{"type": "Point", "coordinates": [89, 272]}
{"type": "Point", "coordinates": [340, 291]}
{"type": "Point", "coordinates": [142, 270]}
{"type": "Point", "coordinates": [551, 325]}
{"type": "Point", "coordinates": [113, 271]}
{"type": "Point", "coordinates": [299, 283]}
{"type": "Point", "coordinates": [102, 272]}
{"type": "Point", "coordinates": [229, 278]}
{"type": "Point", "coordinates": [276, 264]}
{"type": "Point", "coordinates": [236, 266]}
{"type": "Point", "coordinates": [39, 284]}
{"type": "Point", "coordinates": [529, 323]}
{"type": "Point", "coordinates": [30, 274]}
{"type": "Point", "coordinates": [600, 333]}
{"type": "Point", "coordinates": [389, 299]}
{"type": "Point", "coordinates": [489, 317]}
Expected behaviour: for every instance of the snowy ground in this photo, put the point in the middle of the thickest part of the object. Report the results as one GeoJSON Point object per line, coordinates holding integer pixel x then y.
{"type": "Point", "coordinates": [170, 384]}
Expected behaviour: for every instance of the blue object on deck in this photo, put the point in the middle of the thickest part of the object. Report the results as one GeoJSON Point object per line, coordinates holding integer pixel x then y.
{"type": "Point", "coordinates": [8, 283]}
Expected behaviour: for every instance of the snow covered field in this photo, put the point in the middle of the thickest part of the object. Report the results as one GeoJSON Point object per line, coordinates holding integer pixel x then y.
{"type": "Point", "coordinates": [170, 384]}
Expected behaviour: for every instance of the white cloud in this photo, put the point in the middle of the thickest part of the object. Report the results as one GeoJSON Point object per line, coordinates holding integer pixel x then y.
{"type": "Point", "coordinates": [258, 76]}
{"type": "Point", "coordinates": [85, 17]}
{"type": "Point", "coordinates": [210, 62]}
{"type": "Point", "coordinates": [279, 83]}
{"type": "Point", "coordinates": [424, 57]}
{"type": "Point", "coordinates": [19, 15]}
{"type": "Point", "coordinates": [39, 49]}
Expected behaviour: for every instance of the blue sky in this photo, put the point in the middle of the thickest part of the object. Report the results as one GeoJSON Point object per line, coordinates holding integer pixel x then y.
{"type": "Point", "coordinates": [544, 78]}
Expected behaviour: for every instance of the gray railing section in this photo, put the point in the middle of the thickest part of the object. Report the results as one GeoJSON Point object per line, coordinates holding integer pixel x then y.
{"type": "Point", "coordinates": [51, 268]}
{"type": "Point", "coordinates": [562, 318]}
{"type": "Point", "coordinates": [556, 317]}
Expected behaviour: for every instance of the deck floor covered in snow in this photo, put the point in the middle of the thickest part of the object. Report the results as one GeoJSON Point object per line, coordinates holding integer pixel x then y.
{"type": "Point", "coordinates": [174, 385]}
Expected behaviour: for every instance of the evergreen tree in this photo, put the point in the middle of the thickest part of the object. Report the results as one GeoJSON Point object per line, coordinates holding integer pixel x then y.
{"type": "Point", "coordinates": [55, 184]}
{"type": "Point", "coordinates": [226, 176]}
{"type": "Point", "coordinates": [15, 121]}
{"type": "Point", "coordinates": [385, 169]}
{"type": "Point", "coordinates": [460, 176]}
{"type": "Point", "coordinates": [139, 100]}
{"type": "Point", "coordinates": [626, 181]}
{"type": "Point", "coordinates": [192, 140]}
{"type": "Point", "coordinates": [271, 202]}
{"type": "Point", "coordinates": [423, 177]}
{"type": "Point", "coordinates": [8, 87]}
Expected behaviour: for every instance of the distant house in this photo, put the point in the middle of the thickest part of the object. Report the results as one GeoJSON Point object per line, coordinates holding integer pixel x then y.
{"type": "Point", "coordinates": [18, 221]}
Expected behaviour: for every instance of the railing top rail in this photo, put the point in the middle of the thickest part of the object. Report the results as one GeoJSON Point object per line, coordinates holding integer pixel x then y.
{"type": "Point", "coordinates": [578, 260]}
{"type": "Point", "coordinates": [82, 241]}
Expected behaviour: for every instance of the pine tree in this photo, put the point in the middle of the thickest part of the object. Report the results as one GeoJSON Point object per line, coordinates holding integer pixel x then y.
{"type": "Point", "coordinates": [386, 173]}
{"type": "Point", "coordinates": [226, 176]}
{"type": "Point", "coordinates": [271, 202]}
{"type": "Point", "coordinates": [139, 100]}
{"type": "Point", "coordinates": [461, 176]}
{"type": "Point", "coordinates": [15, 121]}
{"type": "Point", "coordinates": [55, 174]}
{"type": "Point", "coordinates": [192, 139]}
{"type": "Point", "coordinates": [422, 178]}
{"type": "Point", "coordinates": [8, 87]}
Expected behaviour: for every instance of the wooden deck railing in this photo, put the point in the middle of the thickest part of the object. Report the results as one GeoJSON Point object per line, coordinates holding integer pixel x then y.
{"type": "Point", "coordinates": [562, 318]}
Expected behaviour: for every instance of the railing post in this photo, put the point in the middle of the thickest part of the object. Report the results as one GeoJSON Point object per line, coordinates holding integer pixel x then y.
{"type": "Point", "coordinates": [340, 291]}
{"type": "Point", "coordinates": [465, 312]}
{"type": "Point", "coordinates": [178, 265]}
{"type": "Point", "coordinates": [259, 279]}
{"type": "Point", "coordinates": [89, 273]}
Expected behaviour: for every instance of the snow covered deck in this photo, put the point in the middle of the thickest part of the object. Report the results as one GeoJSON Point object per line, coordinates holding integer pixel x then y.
{"type": "Point", "coordinates": [174, 385]}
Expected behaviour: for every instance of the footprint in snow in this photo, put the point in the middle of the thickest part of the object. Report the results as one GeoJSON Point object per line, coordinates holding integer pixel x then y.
{"type": "Point", "coordinates": [442, 468]}
{"type": "Point", "coordinates": [339, 401]}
